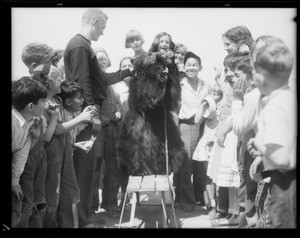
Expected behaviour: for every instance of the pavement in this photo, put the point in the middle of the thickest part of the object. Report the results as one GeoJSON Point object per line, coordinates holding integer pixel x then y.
{"type": "Point", "coordinates": [149, 214]}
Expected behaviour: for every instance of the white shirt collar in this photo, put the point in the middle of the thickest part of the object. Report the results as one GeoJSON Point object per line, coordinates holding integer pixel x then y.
{"type": "Point", "coordinates": [279, 90]}
{"type": "Point", "coordinates": [19, 117]}
{"type": "Point", "coordinates": [185, 83]}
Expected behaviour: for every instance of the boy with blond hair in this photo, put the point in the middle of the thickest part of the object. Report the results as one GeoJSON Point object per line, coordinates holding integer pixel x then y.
{"type": "Point", "coordinates": [276, 137]}
{"type": "Point", "coordinates": [35, 53]}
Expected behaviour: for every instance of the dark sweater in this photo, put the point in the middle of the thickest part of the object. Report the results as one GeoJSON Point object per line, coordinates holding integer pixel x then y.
{"type": "Point", "coordinates": [81, 66]}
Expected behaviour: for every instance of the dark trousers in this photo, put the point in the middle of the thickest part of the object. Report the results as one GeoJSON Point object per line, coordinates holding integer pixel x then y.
{"type": "Point", "coordinates": [223, 199]}
{"type": "Point", "coordinates": [251, 187]}
{"type": "Point", "coordinates": [248, 187]}
{"type": "Point", "coordinates": [98, 174]}
{"type": "Point", "coordinates": [199, 181]}
{"type": "Point", "coordinates": [243, 175]}
{"type": "Point", "coordinates": [107, 151]}
{"type": "Point", "coordinates": [85, 164]}
{"type": "Point", "coordinates": [111, 180]}
{"type": "Point", "coordinates": [32, 182]}
{"type": "Point", "coordinates": [62, 192]}
{"type": "Point", "coordinates": [184, 190]}
{"type": "Point", "coordinates": [282, 208]}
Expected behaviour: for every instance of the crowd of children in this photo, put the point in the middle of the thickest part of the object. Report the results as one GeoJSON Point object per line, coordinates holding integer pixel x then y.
{"type": "Point", "coordinates": [239, 134]}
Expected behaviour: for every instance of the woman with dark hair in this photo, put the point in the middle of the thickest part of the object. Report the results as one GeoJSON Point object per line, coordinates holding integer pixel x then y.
{"type": "Point", "coordinates": [236, 38]}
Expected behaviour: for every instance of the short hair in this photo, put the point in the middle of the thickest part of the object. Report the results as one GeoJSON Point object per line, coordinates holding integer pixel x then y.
{"type": "Point", "coordinates": [180, 48]}
{"type": "Point", "coordinates": [125, 58]}
{"type": "Point", "coordinates": [93, 13]}
{"type": "Point", "coordinates": [131, 36]}
{"type": "Point", "coordinates": [275, 58]}
{"type": "Point", "coordinates": [154, 46]}
{"type": "Point", "coordinates": [216, 89]}
{"type": "Point", "coordinates": [239, 35]}
{"type": "Point", "coordinates": [233, 58]}
{"type": "Point", "coordinates": [35, 52]}
{"type": "Point", "coordinates": [190, 54]}
{"type": "Point", "coordinates": [26, 90]}
{"type": "Point", "coordinates": [56, 56]}
{"type": "Point", "coordinates": [69, 89]}
{"type": "Point", "coordinates": [244, 64]}
{"type": "Point", "coordinates": [266, 39]}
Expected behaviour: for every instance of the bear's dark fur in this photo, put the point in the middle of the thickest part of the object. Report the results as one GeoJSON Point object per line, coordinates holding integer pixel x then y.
{"type": "Point", "coordinates": [141, 146]}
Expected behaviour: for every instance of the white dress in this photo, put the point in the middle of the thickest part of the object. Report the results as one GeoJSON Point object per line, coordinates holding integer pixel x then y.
{"type": "Point", "coordinates": [209, 135]}
{"type": "Point", "coordinates": [222, 166]}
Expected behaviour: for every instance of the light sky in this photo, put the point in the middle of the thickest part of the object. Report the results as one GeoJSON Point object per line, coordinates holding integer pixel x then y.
{"type": "Point", "coordinates": [200, 29]}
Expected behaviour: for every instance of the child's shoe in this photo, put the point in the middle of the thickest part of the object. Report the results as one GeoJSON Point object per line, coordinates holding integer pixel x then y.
{"type": "Point", "coordinates": [218, 215]}
{"type": "Point", "coordinates": [113, 212]}
{"type": "Point", "coordinates": [211, 211]}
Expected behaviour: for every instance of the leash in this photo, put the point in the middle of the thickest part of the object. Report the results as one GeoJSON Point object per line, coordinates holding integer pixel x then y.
{"type": "Point", "coordinates": [167, 162]}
